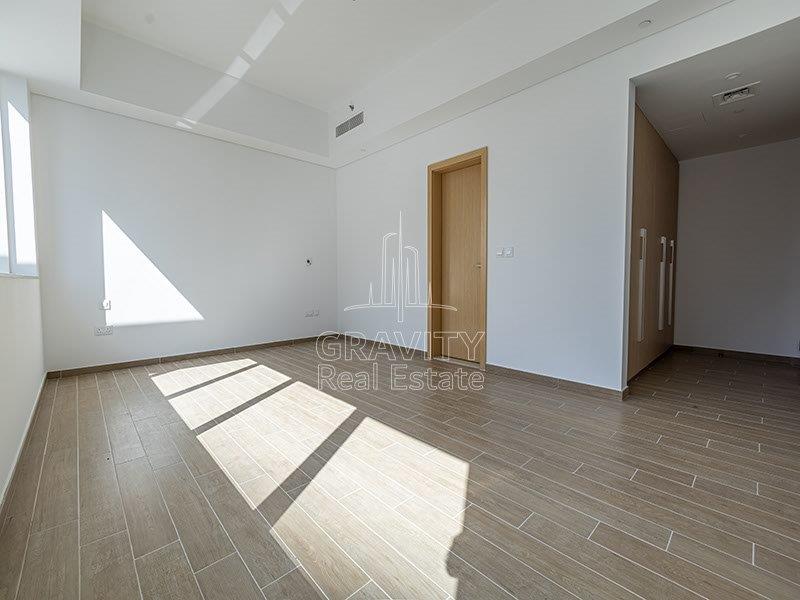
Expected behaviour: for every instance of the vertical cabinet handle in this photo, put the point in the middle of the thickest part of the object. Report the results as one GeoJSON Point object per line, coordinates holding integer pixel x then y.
{"type": "Point", "coordinates": [670, 308]}
{"type": "Point", "coordinates": [642, 265]}
{"type": "Point", "coordinates": [662, 272]}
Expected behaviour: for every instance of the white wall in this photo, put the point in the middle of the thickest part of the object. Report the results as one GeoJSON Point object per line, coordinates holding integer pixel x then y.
{"type": "Point", "coordinates": [556, 308]}
{"type": "Point", "coordinates": [558, 192]}
{"type": "Point", "coordinates": [738, 281]}
{"type": "Point", "coordinates": [21, 366]}
{"type": "Point", "coordinates": [228, 226]}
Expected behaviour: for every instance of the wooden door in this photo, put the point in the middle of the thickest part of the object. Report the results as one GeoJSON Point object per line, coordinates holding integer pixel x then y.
{"type": "Point", "coordinates": [461, 260]}
{"type": "Point", "coordinates": [652, 251]}
{"type": "Point", "coordinates": [457, 216]}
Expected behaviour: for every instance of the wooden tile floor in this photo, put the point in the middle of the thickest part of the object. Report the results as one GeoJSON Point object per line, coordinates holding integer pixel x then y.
{"type": "Point", "coordinates": [233, 477]}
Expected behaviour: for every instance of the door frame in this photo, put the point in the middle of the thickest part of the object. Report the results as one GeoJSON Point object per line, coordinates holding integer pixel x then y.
{"type": "Point", "coordinates": [435, 172]}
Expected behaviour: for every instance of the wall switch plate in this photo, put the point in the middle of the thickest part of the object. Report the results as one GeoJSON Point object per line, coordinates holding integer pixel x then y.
{"type": "Point", "coordinates": [107, 330]}
{"type": "Point", "coordinates": [316, 312]}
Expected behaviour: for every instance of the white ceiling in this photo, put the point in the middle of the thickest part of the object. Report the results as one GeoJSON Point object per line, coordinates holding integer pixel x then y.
{"type": "Point", "coordinates": [40, 40]}
{"type": "Point", "coordinates": [314, 51]}
{"type": "Point", "coordinates": [677, 98]}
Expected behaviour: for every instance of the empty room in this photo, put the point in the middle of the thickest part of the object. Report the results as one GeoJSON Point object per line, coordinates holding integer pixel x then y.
{"type": "Point", "coordinates": [382, 299]}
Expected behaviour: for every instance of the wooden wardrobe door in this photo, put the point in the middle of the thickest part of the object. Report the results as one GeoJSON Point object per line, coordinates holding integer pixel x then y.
{"type": "Point", "coordinates": [655, 187]}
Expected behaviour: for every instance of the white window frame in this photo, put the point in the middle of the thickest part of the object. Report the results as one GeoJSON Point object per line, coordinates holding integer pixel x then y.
{"type": "Point", "coordinates": [14, 269]}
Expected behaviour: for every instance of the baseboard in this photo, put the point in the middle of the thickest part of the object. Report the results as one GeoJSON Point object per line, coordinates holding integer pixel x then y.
{"type": "Point", "coordinates": [650, 364]}
{"type": "Point", "coordinates": [753, 356]}
{"type": "Point", "coordinates": [174, 358]}
{"type": "Point", "coordinates": [528, 376]}
{"type": "Point", "coordinates": [403, 350]}
{"type": "Point", "coordinates": [563, 384]}
{"type": "Point", "coordinates": [5, 501]}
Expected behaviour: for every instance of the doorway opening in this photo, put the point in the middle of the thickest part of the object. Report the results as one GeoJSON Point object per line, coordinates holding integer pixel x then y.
{"type": "Point", "coordinates": [457, 219]}
{"type": "Point", "coordinates": [713, 259]}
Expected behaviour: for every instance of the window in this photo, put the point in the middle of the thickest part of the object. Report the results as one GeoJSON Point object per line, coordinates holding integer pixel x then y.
{"type": "Point", "coordinates": [17, 228]}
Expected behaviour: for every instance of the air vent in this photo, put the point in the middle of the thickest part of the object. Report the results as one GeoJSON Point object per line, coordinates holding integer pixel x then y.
{"type": "Point", "coordinates": [350, 124]}
{"type": "Point", "coordinates": [737, 95]}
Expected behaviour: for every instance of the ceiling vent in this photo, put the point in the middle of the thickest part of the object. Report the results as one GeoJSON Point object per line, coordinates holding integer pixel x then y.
{"type": "Point", "coordinates": [350, 124]}
{"type": "Point", "coordinates": [737, 95]}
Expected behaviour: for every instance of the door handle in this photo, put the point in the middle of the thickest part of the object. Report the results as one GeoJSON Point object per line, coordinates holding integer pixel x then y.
{"type": "Point", "coordinates": [642, 266]}
{"type": "Point", "coordinates": [661, 282]}
{"type": "Point", "coordinates": [670, 310]}
{"type": "Point", "coordinates": [479, 266]}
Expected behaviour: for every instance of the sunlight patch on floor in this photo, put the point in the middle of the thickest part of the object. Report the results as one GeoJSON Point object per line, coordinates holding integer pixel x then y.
{"type": "Point", "coordinates": [320, 470]}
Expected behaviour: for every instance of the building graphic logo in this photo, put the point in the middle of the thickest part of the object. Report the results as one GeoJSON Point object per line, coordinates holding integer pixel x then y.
{"type": "Point", "coordinates": [400, 278]}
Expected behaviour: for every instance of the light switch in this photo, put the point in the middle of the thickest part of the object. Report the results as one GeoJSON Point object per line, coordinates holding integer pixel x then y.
{"type": "Point", "coordinates": [500, 251]}
{"type": "Point", "coordinates": [508, 252]}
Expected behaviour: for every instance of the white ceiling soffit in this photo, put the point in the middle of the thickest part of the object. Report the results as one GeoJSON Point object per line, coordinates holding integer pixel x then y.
{"type": "Point", "coordinates": [81, 97]}
{"type": "Point", "coordinates": [122, 68]}
{"type": "Point", "coordinates": [625, 31]}
{"type": "Point", "coordinates": [368, 138]}
{"type": "Point", "coordinates": [41, 40]}
{"type": "Point", "coordinates": [313, 51]}
{"type": "Point", "coordinates": [678, 99]}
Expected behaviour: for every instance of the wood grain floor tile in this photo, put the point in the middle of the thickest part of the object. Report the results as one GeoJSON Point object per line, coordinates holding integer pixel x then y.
{"type": "Point", "coordinates": [148, 520]}
{"type": "Point", "coordinates": [371, 591]}
{"type": "Point", "coordinates": [51, 564]}
{"type": "Point", "coordinates": [228, 579]}
{"type": "Point", "coordinates": [265, 556]}
{"type": "Point", "coordinates": [199, 530]}
{"type": "Point", "coordinates": [13, 541]}
{"type": "Point", "coordinates": [389, 569]}
{"type": "Point", "coordinates": [101, 512]}
{"type": "Point", "coordinates": [526, 489]}
{"type": "Point", "coordinates": [57, 500]}
{"type": "Point", "coordinates": [165, 573]}
{"type": "Point", "coordinates": [125, 442]}
{"type": "Point", "coordinates": [296, 584]}
{"type": "Point", "coordinates": [107, 570]}
{"type": "Point", "coordinates": [156, 442]}
{"type": "Point", "coordinates": [329, 566]}
{"type": "Point", "coordinates": [194, 454]}
{"type": "Point", "coordinates": [671, 567]}
{"type": "Point", "coordinates": [743, 573]}
{"type": "Point", "coordinates": [508, 572]}
{"type": "Point", "coordinates": [777, 564]}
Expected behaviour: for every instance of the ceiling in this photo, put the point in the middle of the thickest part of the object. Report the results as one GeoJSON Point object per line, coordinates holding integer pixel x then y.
{"type": "Point", "coordinates": [677, 98]}
{"type": "Point", "coordinates": [40, 39]}
{"type": "Point", "coordinates": [314, 51]}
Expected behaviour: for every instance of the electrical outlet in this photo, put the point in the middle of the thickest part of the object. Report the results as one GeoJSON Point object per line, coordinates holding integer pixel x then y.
{"type": "Point", "coordinates": [505, 252]}
{"type": "Point", "coordinates": [107, 330]}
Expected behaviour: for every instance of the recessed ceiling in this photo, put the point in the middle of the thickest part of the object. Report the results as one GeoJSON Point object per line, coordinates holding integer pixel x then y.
{"type": "Point", "coordinates": [677, 99]}
{"type": "Point", "coordinates": [314, 51]}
